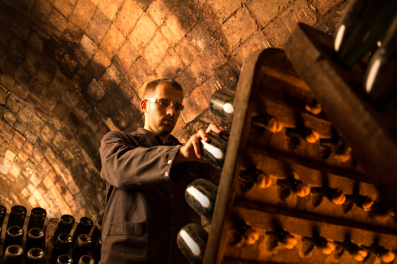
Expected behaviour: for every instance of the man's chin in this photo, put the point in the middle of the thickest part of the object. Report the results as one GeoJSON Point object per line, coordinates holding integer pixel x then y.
{"type": "Point", "coordinates": [167, 128]}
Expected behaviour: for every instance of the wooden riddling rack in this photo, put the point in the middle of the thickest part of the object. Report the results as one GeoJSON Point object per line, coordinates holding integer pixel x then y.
{"type": "Point", "coordinates": [269, 84]}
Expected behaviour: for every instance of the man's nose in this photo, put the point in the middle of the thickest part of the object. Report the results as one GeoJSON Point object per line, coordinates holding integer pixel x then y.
{"type": "Point", "coordinates": [171, 109]}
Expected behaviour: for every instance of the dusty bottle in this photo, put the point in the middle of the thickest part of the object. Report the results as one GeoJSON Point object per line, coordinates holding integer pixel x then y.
{"type": "Point", "coordinates": [34, 239]}
{"type": "Point", "coordinates": [13, 254]}
{"type": "Point", "coordinates": [14, 236]}
{"type": "Point", "coordinates": [95, 234]}
{"type": "Point", "coordinates": [64, 225]}
{"type": "Point", "coordinates": [266, 121]}
{"type": "Point", "coordinates": [86, 259]}
{"type": "Point", "coordinates": [35, 256]}
{"type": "Point", "coordinates": [61, 247]}
{"type": "Point", "coordinates": [64, 259]}
{"type": "Point", "coordinates": [381, 76]}
{"type": "Point", "coordinates": [37, 218]}
{"type": "Point", "coordinates": [201, 195]}
{"type": "Point", "coordinates": [83, 227]}
{"type": "Point", "coordinates": [97, 251]}
{"type": "Point", "coordinates": [215, 151]}
{"type": "Point", "coordinates": [362, 26]}
{"type": "Point", "coordinates": [192, 240]}
{"type": "Point", "coordinates": [240, 233]}
{"type": "Point", "coordinates": [81, 247]}
{"type": "Point", "coordinates": [17, 216]}
{"type": "Point", "coordinates": [222, 104]}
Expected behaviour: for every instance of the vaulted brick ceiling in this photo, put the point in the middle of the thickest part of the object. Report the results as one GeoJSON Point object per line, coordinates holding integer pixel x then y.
{"type": "Point", "coordinates": [72, 70]}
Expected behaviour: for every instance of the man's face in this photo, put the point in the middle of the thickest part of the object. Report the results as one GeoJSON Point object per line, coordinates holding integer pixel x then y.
{"type": "Point", "coordinates": [158, 119]}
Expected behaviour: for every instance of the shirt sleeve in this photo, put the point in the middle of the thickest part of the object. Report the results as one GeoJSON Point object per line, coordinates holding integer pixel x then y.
{"type": "Point", "coordinates": [128, 167]}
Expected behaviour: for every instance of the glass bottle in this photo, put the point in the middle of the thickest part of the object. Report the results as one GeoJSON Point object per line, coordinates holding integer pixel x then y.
{"type": "Point", "coordinates": [17, 216]}
{"type": "Point", "coordinates": [221, 104]}
{"type": "Point", "coordinates": [34, 239]}
{"type": "Point", "coordinates": [201, 195]}
{"type": "Point", "coordinates": [97, 251]}
{"type": "Point", "coordinates": [61, 247]}
{"type": "Point", "coordinates": [13, 254]}
{"type": "Point", "coordinates": [37, 218]}
{"type": "Point", "coordinates": [192, 240]}
{"type": "Point", "coordinates": [266, 121]}
{"type": "Point", "coordinates": [83, 227]}
{"type": "Point", "coordinates": [95, 234]}
{"type": "Point", "coordinates": [14, 236]}
{"type": "Point", "coordinates": [64, 259]}
{"type": "Point", "coordinates": [214, 151]}
{"type": "Point", "coordinates": [81, 247]}
{"type": "Point", "coordinates": [381, 76]}
{"type": "Point", "coordinates": [86, 259]}
{"type": "Point", "coordinates": [65, 225]}
{"type": "Point", "coordinates": [362, 26]}
{"type": "Point", "coordinates": [35, 256]}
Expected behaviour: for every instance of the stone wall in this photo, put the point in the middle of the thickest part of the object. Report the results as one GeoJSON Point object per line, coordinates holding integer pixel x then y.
{"type": "Point", "coordinates": [72, 70]}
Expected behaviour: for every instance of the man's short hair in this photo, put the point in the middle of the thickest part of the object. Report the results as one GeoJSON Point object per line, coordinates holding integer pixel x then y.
{"type": "Point", "coordinates": [151, 87]}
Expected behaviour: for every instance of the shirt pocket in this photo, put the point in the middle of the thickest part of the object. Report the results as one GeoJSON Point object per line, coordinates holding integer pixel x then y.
{"type": "Point", "coordinates": [127, 242]}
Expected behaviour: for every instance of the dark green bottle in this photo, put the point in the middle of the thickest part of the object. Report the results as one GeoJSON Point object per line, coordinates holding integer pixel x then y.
{"type": "Point", "coordinates": [95, 234]}
{"type": "Point", "coordinates": [83, 227]}
{"type": "Point", "coordinates": [64, 259]}
{"type": "Point", "coordinates": [81, 247]}
{"type": "Point", "coordinates": [97, 251]}
{"type": "Point", "coordinates": [37, 218]}
{"type": "Point", "coordinates": [61, 247]}
{"type": "Point", "coordinates": [214, 151]}
{"type": "Point", "coordinates": [222, 104]}
{"type": "Point", "coordinates": [192, 240]}
{"type": "Point", "coordinates": [17, 216]}
{"type": "Point", "coordinates": [381, 76]}
{"type": "Point", "coordinates": [34, 239]}
{"type": "Point", "coordinates": [13, 255]}
{"type": "Point", "coordinates": [362, 26]}
{"type": "Point", "coordinates": [65, 225]}
{"type": "Point", "coordinates": [200, 194]}
{"type": "Point", "coordinates": [86, 259]}
{"type": "Point", "coordinates": [35, 256]}
{"type": "Point", "coordinates": [14, 236]}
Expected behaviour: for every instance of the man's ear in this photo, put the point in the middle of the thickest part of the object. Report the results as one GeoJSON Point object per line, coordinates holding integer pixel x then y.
{"type": "Point", "coordinates": [144, 106]}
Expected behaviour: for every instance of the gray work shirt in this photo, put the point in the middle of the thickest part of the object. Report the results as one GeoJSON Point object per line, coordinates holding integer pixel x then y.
{"type": "Point", "coordinates": [145, 198]}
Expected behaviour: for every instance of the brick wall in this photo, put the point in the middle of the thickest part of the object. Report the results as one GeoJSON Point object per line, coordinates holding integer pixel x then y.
{"type": "Point", "coordinates": [72, 70]}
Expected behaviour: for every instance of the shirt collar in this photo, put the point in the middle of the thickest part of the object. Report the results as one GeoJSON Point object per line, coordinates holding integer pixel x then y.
{"type": "Point", "coordinates": [154, 139]}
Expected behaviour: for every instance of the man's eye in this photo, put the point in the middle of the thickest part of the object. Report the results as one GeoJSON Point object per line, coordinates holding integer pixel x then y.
{"type": "Point", "coordinates": [178, 107]}
{"type": "Point", "coordinates": [166, 104]}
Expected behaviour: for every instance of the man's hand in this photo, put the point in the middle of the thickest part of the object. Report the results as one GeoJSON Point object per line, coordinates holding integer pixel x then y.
{"type": "Point", "coordinates": [192, 150]}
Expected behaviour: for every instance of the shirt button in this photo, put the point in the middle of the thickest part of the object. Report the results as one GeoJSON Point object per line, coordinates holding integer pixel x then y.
{"type": "Point", "coordinates": [172, 196]}
{"type": "Point", "coordinates": [166, 173]}
{"type": "Point", "coordinates": [169, 162]}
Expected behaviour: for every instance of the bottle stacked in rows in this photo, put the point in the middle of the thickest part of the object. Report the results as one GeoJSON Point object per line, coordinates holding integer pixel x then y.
{"type": "Point", "coordinates": [25, 241]}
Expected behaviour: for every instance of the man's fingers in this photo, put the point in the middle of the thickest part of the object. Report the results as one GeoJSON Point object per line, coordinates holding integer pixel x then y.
{"type": "Point", "coordinates": [214, 128]}
{"type": "Point", "coordinates": [196, 146]}
{"type": "Point", "coordinates": [203, 135]}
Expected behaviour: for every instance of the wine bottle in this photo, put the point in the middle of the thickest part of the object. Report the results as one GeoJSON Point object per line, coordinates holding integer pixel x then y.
{"type": "Point", "coordinates": [214, 151]}
{"type": "Point", "coordinates": [379, 251]}
{"type": "Point", "coordinates": [222, 104]}
{"type": "Point", "coordinates": [64, 259]}
{"type": "Point", "coordinates": [284, 238]}
{"type": "Point", "coordinates": [37, 218]}
{"type": "Point", "coordinates": [13, 254]}
{"type": "Point", "coordinates": [34, 239]}
{"type": "Point", "coordinates": [95, 234]}
{"type": "Point", "coordinates": [310, 135]}
{"type": "Point", "coordinates": [313, 107]}
{"type": "Point", "coordinates": [297, 186]}
{"type": "Point", "coordinates": [240, 233]}
{"type": "Point", "coordinates": [17, 216]}
{"type": "Point", "coordinates": [81, 247]}
{"type": "Point", "coordinates": [14, 236]}
{"type": "Point", "coordinates": [192, 240]}
{"type": "Point", "coordinates": [361, 201]}
{"type": "Point", "coordinates": [340, 147]}
{"type": "Point", "coordinates": [254, 176]}
{"type": "Point", "coordinates": [363, 24]}
{"type": "Point", "coordinates": [321, 243]}
{"type": "Point", "coordinates": [83, 227]}
{"type": "Point", "coordinates": [35, 256]}
{"type": "Point", "coordinates": [97, 251]}
{"type": "Point", "coordinates": [64, 225]}
{"type": "Point", "coordinates": [381, 78]}
{"type": "Point", "coordinates": [61, 247]}
{"type": "Point", "coordinates": [334, 195]}
{"type": "Point", "coordinates": [358, 253]}
{"type": "Point", "coordinates": [86, 259]}
{"type": "Point", "coordinates": [268, 122]}
{"type": "Point", "coordinates": [201, 195]}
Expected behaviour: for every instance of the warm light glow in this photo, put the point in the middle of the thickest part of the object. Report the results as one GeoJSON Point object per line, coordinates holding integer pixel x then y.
{"type": "Point", "coordinates": [339, 37]}
{"type": "Point", "coordinates": [216, 152]}
{"type": "Point", "coordinates": [190, 243]}
{"type": "Point", "coordinates": [204, 201]}
{"type": "Point", "coordinates": [373, 72]}
{"type": "Point", "coordinates": [228, 108]}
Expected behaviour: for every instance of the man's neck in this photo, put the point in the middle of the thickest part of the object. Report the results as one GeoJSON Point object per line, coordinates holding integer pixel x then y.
{"type": "Point", "coordinates": [163, 138]}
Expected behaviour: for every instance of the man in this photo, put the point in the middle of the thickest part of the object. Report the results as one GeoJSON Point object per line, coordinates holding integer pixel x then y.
{"type": "Point", "coordinates": [146, 174]}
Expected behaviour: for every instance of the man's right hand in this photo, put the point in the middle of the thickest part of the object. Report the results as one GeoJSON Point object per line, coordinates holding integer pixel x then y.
{"type": "Point", "coordinates": [192, 150]}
